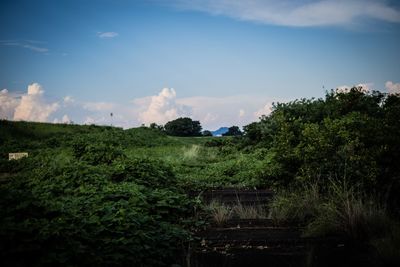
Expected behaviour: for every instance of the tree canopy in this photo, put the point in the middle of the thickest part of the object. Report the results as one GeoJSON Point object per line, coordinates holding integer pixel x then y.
{"type": "Point", "coordinates": [233, 131]}
{"type": "Point", "coordinates": [183, 127]}
{"type": "Point", "coordinates": [352, 135]}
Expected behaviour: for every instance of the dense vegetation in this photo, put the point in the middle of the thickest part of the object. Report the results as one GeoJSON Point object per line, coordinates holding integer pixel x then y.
{"type": "Point", "coordinates": [104, 196]}
{"type": "Point", "coordinates": [353, 136]}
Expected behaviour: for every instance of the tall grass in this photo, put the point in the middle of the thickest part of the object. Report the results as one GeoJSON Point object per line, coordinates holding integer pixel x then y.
{"type": "Point", "coordinates": [220, 212]}
{"type": "Point", "coordinates": [250, 212]}
{"type": "Point", "coordinates": [342, 210]}
{"type": "Point", "coordinates": [297, 206]}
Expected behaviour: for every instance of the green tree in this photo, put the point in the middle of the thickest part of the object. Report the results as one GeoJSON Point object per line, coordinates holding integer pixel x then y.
{"type": "Point", "coordinates": [207, 133]}
{"type": "Point", "coordinates": [233, 131]}
{"type": "Point", "coordinates": [183, 127]}
{"type": "Point", "coordinates": [154, 125]}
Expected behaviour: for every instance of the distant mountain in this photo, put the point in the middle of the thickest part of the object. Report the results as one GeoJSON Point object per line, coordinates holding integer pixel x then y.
{"type": "Point", "coordinates": [220, 131]}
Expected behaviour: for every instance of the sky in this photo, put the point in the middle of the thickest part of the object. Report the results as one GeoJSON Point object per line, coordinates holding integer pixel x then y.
{"type": "Point", "coordinates": [223, 62]}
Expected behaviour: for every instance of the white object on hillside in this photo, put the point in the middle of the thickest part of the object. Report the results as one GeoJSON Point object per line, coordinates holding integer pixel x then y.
{"type": "Point", "coordinates": [16, 156]}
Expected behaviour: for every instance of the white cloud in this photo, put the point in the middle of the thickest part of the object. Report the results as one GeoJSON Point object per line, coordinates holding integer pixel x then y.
{"type": "Point", "coordinates": [65, 119]}
{"type": "Point", "coordinates": [107, 34]}
{"type": "Point", "coordinates": [163, 108]}
{"type": "Point", "coordinates": [68, 100]}
{"type": "Point", "coordinates": [393, 88]}
{"type": "Point", "coordinates": [265, 110]}
{"type": "Point", "coordinates": [208, 119]}
{"type": "Point", "coordinates": [296, 13]}
{"type": "Point", "coordinates": [89, 120]}
{"type": "Point", "coordinates": [8, 103]}
{"type": "Point", "coordinates": [33, 107]}
{"type": "Point", "coordinates": [214, 112]}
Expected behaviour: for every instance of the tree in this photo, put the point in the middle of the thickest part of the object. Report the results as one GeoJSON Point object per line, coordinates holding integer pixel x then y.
{"type": "Point", "coordinates": [154, 125]}
{"type": "Point", "coordinates": [183, 127]}
{"type": "Point", "coordinates": [207, 133]}
{"type": "Point", "coordinates": [233, 131]}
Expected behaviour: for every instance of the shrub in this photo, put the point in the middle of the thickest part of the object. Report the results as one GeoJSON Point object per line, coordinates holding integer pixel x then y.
{"type": "Point", "coordinates": [148, 172]}
{"type": "Point", "coordinates": [96, 152]}
{"type": "Point", "coordinates": [296, 206]}
{"type": "Point", "coordinates": [76, 215]}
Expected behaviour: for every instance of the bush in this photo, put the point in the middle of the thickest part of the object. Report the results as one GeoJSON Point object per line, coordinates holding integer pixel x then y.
{"type": "Point", "coordinates": [148, 172]}
{"type": "Point", "coordinates": [78, 215]}
{"type": "Point", "coordinates": [183, 127]}
{"type": "Point", "coordinates": [96, 152]}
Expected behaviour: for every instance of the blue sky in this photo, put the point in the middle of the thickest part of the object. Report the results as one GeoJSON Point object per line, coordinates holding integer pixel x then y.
{"type": "Point", "coordinates": [226, 60]}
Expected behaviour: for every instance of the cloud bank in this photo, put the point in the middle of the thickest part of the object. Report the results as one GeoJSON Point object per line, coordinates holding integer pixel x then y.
{"type": "Point", "coordinates": [30, 106]}
{"type": "Point", "coordinates": [296, 13]}
{"type": "Point", "coordinates": [8, 103]}
{"type": "Point", "coordinates": [163, 108]}
{"type": "Point", "coordinates": [212, 112]}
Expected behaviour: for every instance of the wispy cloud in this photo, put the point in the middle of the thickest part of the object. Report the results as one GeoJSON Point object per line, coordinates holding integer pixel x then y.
{"type": "Point", "coordinates": [27, 44]}
{"type": "Point", "coordinates": [296, 13]}
{"type": "Point", "coordinates": [107, 34]}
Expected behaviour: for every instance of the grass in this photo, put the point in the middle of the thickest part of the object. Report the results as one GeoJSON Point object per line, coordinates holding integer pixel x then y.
{"type": "Point", "coordinates": [250, 212]}
{"type": "Point", "coordinates": [297, 206]}
{"type": "Point", "coordinates": [342, 211]}
{"type": "Point", "coordinates": [221, 213]}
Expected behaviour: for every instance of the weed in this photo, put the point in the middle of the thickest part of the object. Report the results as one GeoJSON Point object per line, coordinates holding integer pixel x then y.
{"type": "Point", "coordinates": [250, 212]}
{"type": "Point", "coordinates": [192, 152]}
{"type": "Point", "coordinates": [220, 212]}
{"type": "Point", "coordinates": [297, 206]}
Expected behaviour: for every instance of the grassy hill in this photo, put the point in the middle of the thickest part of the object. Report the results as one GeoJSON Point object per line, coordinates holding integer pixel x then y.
{"type": "Point", "coordinates": [199, 162]}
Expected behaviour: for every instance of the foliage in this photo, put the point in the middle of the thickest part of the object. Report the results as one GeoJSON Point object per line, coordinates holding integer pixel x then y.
{"type": "Point", "coordinates": [341, 210]}
{"type": "Point", "coordinates": [148, 172]}
{"type": "Point", "coordinates": [97, 153]}
{"type": "Point", "coordinates": [353, 135]}
{"type": "Point", "coordinates": [154, 125]}
{"type": "Point", "coordinates": [183, 127]}
{"type": "Point", "coordinates": [91, 205]}
{"type": "Point", "coordinates": [233, 131]}
{"type": "Point", "coordinates": [207, 133]}
{"type": "Point", "coordinates": [338, 209]}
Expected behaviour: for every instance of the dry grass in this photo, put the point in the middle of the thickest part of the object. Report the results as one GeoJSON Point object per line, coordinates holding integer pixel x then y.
{"type": "Point", "coordinates": [250, 212]}
{"type": "Point", "coordinates": [220, 212]}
